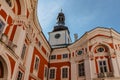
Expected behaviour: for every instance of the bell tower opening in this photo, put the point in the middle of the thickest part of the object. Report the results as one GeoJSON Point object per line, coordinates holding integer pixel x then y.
{"type": "Point", "coordinates": [61, 18]}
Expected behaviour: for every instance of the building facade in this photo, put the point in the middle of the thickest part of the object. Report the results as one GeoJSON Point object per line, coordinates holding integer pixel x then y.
{"type": "Point", "coordinates": [25, 53]}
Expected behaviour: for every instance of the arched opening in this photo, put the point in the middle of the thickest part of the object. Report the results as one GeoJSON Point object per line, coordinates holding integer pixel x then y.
{"type": "Point", "coordinates": [3, 69]}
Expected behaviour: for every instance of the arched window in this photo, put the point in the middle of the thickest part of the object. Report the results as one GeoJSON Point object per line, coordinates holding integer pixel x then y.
{"type": "Point", "coordinates": [1, 70]}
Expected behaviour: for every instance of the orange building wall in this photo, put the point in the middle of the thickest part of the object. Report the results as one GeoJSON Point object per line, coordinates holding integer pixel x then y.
{"type": "Point", "coordinates": [42, 64]}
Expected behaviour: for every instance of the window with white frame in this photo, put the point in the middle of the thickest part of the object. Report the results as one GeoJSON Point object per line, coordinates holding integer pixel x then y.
{"type": "Point", "coordinates": [64, 72]}
{"type": "Point", "coordinates": [81, 69]}
{"type": "Point", "coordinates": [52, 73]}
{"type": "Point", "coordinates": [20, 75]}
{"type": "Point", "coordinates": [53, 57]}
{"type": "Point", "coordinates": [37, 61]}
{"type": "Point", "coordinates": [23, 51]}
{"type": "Point", "coordinates": [45, 71]}
{"type": "Point", "coordinates": [103, 66]}
{"type": "Point", "coordinates": [2, 25]}
{"type": "Point", "coordinates": [65, 55]}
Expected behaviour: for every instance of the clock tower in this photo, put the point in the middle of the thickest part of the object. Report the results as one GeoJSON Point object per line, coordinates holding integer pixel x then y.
{"type": "Point", "coordinates": [60, 36]}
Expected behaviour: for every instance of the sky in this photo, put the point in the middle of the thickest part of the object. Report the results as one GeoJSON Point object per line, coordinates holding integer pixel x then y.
{"type": "Point", "coordinates": [80, 15]}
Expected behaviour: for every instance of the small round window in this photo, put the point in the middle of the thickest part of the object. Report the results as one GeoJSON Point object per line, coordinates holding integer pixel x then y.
{"type": "Point", "coordinates": [100, 49]}
{"type": "Point", "coordinates": [80, 52]}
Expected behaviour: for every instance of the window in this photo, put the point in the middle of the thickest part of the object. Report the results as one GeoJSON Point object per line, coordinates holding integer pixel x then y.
{"type": "Point", "coordinates": [103, 66]}
{"type": "Point", "coordinates": [53, 57]}
{"type": "Point", "coordinates": [100, 49]}
{"type": "Point", "coordinates": [45, 72]}
{"type": "Point", "coordinates": [80, 52]}
{"type": "Point", "coordinates": [36, 63]}
{"type": "Point", "coordinates": [23, 51]}
{"type": "Point", "coordinates": [81, 71]}
{"type": "Point", "coordinates": [52, 73]}
{"type": "Point", "coordinates": [64, 72]}
{"type": "Point", "coordinates": [65, 55]}
{"type": "Point", "coordinates": [39, 43]}
{"type": "Point", "coordinates": [2, 25]}
{"type": "Point", "coordinates": [20, 74]}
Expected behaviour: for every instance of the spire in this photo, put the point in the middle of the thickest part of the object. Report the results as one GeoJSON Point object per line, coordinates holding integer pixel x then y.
{"type": "Point", "coordinates": [61, 18]}
{"type": "Point", "coordinates": [60, 22]}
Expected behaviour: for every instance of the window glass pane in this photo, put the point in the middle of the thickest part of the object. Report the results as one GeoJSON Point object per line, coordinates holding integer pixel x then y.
{"type": "Point", "coordinates": [80, 52]}
{"type": "Point", "coordinates": [2, 25]}
{"type": "Point", "coordinates": [23, 51]}
{"type": "Point", "coordinates": [104, 63]}
{"type": "Point", "coordinates": [101, 69]}
{"type": "Point", "coordinates": [19, 75]}
{"type": "Point", "coordinates": [53, 57]}
{"type": "Point", "coordinates": [36, 63]}
{"type": "Point", "coordinates": [100, 49]}
{"type": "Point", "coordinates": [46, 71]}
{"type": "Point", "coordinates": [105, 69]}
{"type": "Point", "coordinates": [103, 66]}
{"type": "Point", "coordinates": [100, 63]}
{"type": "Point", "coordinates": [65, 55]}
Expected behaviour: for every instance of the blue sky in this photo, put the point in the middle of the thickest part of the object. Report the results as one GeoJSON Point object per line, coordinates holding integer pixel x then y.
{"type": "Point", "coordinates": [81, 15]}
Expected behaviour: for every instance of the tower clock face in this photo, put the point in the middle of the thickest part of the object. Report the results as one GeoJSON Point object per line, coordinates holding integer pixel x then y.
{"type": "Point", "coordinates": [57, 36]}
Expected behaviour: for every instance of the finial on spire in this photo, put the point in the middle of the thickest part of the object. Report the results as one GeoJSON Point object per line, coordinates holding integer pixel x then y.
{"type": "Point", "coordinates": [61, 10]}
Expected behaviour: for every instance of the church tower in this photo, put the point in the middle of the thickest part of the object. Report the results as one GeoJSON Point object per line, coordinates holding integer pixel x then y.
{"type": "Point", "coordinates": [60, 36]}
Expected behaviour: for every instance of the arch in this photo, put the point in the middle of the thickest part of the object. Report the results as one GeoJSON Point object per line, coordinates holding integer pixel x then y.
{"type": "Point", "coordinates": [101, 43]}
{"type": "Point", "coordinates": [6, 67]}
